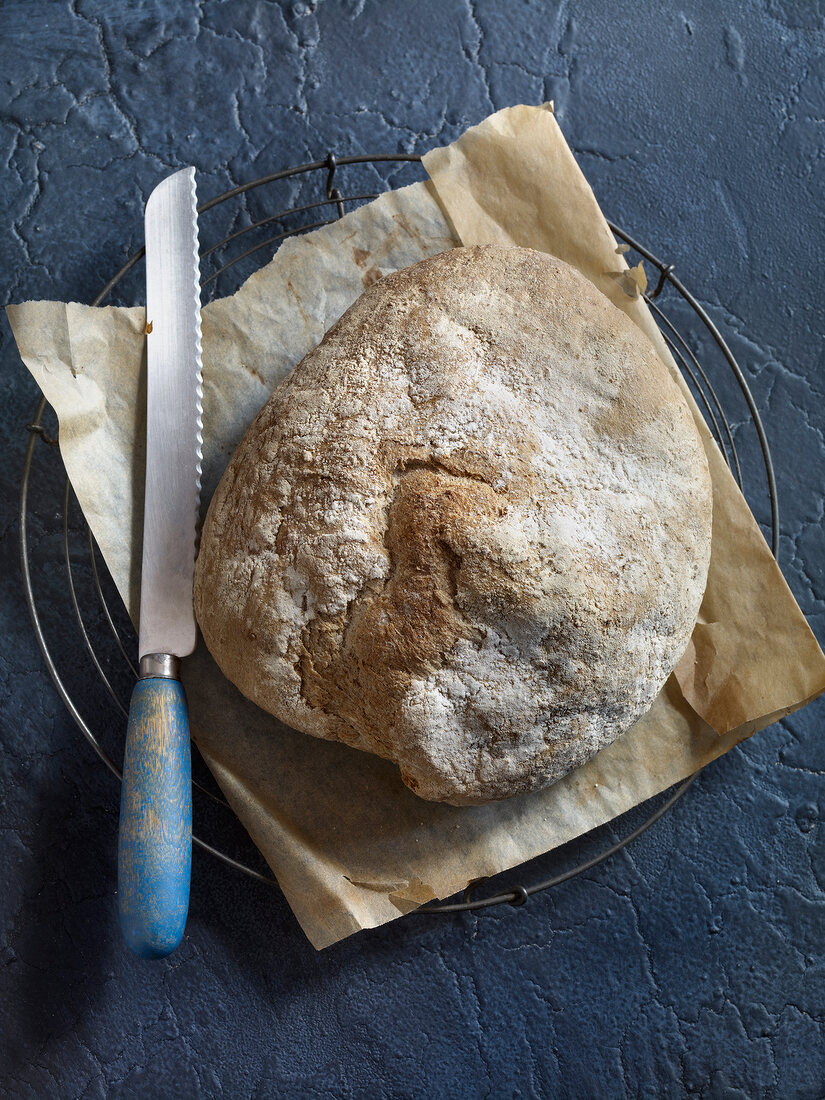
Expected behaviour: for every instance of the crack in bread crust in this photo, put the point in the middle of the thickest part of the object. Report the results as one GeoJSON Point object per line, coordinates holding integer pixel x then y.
{"type": "Point", "coordinates": [470, 532]}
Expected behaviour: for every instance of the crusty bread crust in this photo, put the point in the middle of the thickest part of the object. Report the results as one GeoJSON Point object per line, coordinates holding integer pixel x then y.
{"type": "Point", "coordinates": [470, 532]}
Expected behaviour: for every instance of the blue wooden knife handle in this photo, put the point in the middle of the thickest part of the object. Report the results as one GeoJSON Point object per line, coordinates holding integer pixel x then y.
{"type": "Point", "coordinates": [155, 840]}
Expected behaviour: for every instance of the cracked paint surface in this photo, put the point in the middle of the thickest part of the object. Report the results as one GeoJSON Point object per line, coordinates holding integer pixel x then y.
{"type": "Point", "coordinates": [694, 963]}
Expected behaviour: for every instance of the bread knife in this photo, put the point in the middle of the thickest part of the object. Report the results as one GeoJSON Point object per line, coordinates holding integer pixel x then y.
{"type": "Point", "coordinates": [155, 838]}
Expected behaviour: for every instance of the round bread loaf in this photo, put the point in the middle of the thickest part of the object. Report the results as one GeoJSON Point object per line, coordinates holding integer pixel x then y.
{"type": "Point", "coordinates": [470, 532]}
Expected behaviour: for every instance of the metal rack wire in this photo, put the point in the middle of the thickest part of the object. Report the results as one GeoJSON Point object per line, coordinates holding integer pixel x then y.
{"type": "Point", "coordinates": [105, 634]}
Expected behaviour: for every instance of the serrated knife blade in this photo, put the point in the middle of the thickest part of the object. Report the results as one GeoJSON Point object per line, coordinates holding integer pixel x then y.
{"type": "Point", "coordinates": [155, 836]}
{"type": "Point", "coordinates": [173, 417]}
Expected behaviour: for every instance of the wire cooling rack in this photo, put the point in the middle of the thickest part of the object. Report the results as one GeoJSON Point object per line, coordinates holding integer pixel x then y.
{"type": "Point", "coordinates": [81, 612]}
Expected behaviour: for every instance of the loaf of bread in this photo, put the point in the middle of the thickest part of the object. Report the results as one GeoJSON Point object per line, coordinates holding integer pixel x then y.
{"type": "Point", "coordinates": [470, 532]}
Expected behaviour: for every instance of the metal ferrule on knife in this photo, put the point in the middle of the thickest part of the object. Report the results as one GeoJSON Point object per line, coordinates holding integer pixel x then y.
{"type": "Point", "coordinates": [163, 666]}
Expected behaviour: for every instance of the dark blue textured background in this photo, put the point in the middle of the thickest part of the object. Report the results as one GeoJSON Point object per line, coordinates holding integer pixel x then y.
{"type": "Point", "coordinates": [694, 962]}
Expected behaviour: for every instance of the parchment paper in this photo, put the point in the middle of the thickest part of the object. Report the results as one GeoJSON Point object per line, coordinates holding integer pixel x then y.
{"type": "Point", "coordinates": [350, 845]}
